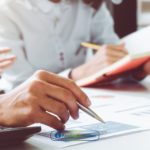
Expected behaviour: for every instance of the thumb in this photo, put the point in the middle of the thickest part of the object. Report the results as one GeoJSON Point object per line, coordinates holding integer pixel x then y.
{"type": "Point", "coordinates": [147, 67]}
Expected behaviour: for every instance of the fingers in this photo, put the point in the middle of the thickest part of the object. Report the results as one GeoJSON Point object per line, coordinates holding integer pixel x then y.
{"type": "Point", "coordinates": [65, 83]}
{"type": "Point", "coordinates": [6, 61]}
{"type": "Point", "coordinates": [4, 50]}
{"type": "Point", "coordinates": [115, 51]}
{"type": "Point", "coordinates": [63, 96]}
{"type": "Point", "coordinates": [5, 64]}
{"type": "Point", "coordinates": [120, 47]}
{"type": "Point", "coordinates": [9, 58]}
{"type": "Point", "coordinates": [49, 120]}
{"type": "Point", "coordinates": [108, 55]}
{"type": "Point", "coordinates": [44, 91]}
{"type": "Point", "coordinates": [147, 67]}
{"type": "Point", "coordinates": [55, 107]}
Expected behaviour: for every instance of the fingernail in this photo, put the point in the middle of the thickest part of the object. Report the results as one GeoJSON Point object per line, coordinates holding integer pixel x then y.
{"type": "Point", "coordinates": [63, 127]}
{"type": "Point", "coordinates": [88, 102]}
{"type": "Point", "coordinates": [75, 116]}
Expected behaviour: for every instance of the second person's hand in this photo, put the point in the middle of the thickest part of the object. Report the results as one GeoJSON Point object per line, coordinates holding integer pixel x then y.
{"type": "Point", "coordinates": [6, 60]}
{"type": "Point", "coordinates": [106, 56]}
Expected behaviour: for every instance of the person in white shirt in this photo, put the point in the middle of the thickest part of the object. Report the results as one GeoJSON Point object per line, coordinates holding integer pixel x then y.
{"type": "Point", "coordinates": [46, 34]}
{"type": "Point", "coordinates": [37, 100]}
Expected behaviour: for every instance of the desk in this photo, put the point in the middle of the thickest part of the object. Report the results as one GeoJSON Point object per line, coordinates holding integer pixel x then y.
{"type": "Point", "coordinates": [138, 141]}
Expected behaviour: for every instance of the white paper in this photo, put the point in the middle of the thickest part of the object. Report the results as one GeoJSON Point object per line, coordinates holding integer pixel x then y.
{"type": "Point", "coordinates": [138, 42]}
{"type": "Point", "coordinates": [123, 114]}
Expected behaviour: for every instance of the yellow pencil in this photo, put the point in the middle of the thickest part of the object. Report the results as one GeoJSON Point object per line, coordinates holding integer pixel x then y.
{"type": "Point", "coordinates": [90, 45]}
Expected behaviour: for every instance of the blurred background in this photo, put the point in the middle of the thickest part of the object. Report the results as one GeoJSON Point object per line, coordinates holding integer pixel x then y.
{"type": "Point", "coordinates": [130, 15]}
{"type": "Point", "coordinates": [143, 13]}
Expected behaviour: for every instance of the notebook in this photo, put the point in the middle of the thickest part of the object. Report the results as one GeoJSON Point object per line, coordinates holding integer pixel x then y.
{"type": "Point", "coordinates": [138, 46]}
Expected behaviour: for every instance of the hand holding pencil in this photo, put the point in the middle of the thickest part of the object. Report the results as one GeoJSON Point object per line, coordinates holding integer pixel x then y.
{"type": "Point", "coordinates": [105, 56]}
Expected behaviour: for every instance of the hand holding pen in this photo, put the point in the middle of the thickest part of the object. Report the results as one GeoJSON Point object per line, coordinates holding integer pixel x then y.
{"type": "Point", "coordinates": [44, 98]}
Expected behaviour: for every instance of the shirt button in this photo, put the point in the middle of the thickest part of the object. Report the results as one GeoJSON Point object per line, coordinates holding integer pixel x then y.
{"type": "Point", "coordinates": [61, 56]}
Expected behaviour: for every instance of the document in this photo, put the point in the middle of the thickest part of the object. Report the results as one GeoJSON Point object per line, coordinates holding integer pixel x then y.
{"type": "Point", "coordinates": [123, 114]}
{"type": "Point", "coordinates": [138, 47]}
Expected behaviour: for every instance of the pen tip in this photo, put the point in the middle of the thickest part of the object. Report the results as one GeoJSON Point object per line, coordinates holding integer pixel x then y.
{"type": "Point", "coordinates": [101, 120]}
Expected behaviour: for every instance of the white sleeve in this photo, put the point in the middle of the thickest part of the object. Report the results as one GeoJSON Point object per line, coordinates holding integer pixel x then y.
{"type": "Point", "coordinates": [10, 37]}
{"type": "Point", "coordinates": [102, 29]}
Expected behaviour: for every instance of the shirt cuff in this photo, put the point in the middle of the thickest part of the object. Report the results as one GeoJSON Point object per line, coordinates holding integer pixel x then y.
{"type": "Point", "coordinates": [65, 73]}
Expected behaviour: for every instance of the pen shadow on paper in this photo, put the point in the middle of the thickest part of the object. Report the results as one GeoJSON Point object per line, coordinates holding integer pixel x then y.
{"type": "Point", "coordinates": [124, 85]}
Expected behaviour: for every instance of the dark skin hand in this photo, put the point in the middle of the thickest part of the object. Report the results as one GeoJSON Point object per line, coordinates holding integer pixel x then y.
{"type": "Point", "coordinates": [44, 98]}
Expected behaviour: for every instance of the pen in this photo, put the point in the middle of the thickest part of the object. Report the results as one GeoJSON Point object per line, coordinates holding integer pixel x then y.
{"type": "Point", "coordinates": [90, 112]}
{"type": "Point", "coordinates": [90, 45]}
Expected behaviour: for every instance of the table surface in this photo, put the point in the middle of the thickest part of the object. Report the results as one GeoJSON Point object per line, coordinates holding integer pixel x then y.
{"type": "Point", "coordinates": [137, 141]}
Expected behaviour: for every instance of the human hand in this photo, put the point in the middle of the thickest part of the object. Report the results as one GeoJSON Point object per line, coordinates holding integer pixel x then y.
{"type": "Point", "coordinates": [106, 56]}
{"type": "Point", "coordinates": [44, 98]}
{"type": "Point", "coordinates": [141, 72]}
{"type": "Point", "coordinates": [6, 61]}
{"type": "Point", "coordinates": [136, 74]}
{"type": "Point", "coordinates": [147, 68]}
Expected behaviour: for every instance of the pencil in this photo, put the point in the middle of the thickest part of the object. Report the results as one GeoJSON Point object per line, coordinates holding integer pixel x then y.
{"type": "Point", "coordinates": [90, 45]}
{"type": "Point", "coordinates": [90, 112]}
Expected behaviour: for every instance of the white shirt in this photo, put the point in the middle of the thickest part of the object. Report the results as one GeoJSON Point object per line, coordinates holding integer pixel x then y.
{"type": "Point", "coordinates": [47, 35]}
